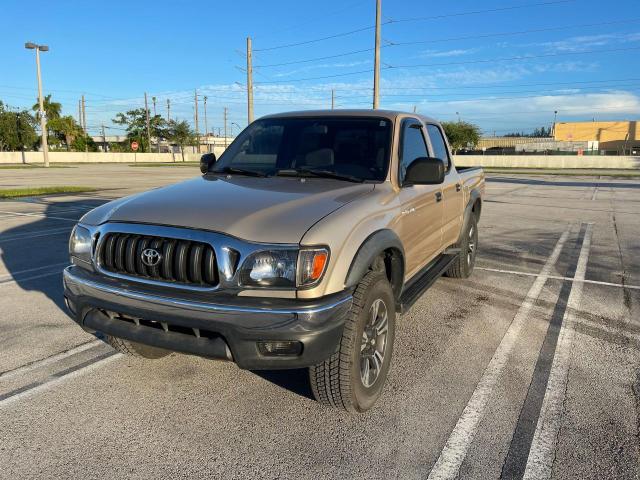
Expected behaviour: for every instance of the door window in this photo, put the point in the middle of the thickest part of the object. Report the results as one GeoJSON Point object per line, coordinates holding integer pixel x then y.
{"type": "Point", "coordinates": [412, 146]}
{"type": "Point", "coordinates": [439, 145]}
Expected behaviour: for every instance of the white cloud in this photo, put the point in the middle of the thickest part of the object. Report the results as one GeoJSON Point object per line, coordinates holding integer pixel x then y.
{"type": "Point", "coordinates": [446, 53]}
{"type": "Point", "coordinates": [587, 42]}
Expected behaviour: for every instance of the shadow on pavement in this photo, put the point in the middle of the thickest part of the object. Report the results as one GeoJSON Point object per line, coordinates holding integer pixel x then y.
{"type": "Point", "coordinates": [34, 252]}
{"type": "Point", "coordinates": [296, 381]}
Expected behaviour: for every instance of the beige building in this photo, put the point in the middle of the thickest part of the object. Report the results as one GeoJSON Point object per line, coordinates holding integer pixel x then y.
{"type": "Point", "coordinates": [611, 136]}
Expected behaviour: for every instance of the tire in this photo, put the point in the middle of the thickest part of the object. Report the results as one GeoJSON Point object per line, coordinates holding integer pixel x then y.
{"type": "Point", "coordinates": [134, 349]}
{"type": "Point", "coordinates": [462, 267]}
{"type": "Point", "coordinates": [343, 380]}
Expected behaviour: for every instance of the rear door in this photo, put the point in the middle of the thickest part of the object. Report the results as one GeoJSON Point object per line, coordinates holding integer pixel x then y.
{"type": "Point", "coordinates": [421, 209]}
{"type": "Point", "coordinates": [452, 188]}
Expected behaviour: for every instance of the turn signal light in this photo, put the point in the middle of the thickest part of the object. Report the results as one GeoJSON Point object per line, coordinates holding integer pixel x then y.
{"type": "Point", "coordinates": [311, 266]}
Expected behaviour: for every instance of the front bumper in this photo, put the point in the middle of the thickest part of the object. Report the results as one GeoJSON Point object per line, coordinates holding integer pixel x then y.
{"type": "Point", "coordinates": [212, 330]}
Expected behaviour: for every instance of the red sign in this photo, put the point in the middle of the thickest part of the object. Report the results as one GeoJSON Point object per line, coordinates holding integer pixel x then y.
{"type": "Point", "coordinates": [134, 146]}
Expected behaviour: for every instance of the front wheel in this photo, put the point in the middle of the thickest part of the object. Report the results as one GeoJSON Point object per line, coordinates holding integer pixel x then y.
{"type": "Point", "coordinates": [353, 377]}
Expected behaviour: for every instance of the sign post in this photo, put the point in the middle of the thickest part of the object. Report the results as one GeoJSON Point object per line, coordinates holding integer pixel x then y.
{"type": "Point", "coordinates": [134, 147]}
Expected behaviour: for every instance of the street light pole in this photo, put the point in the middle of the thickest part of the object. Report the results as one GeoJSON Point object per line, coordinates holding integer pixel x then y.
{"type": "Point", "coordinates": [43, 114]}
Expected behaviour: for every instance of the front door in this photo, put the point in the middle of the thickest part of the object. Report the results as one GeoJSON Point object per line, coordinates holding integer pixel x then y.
{"type": "Point", "coordinates": [421, 209]}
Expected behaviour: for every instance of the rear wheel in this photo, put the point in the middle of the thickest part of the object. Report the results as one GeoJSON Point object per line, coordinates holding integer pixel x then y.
{"type": "Point", "coordinates": [353, 377]}
{"type": "Point", "coordinates": [462, 267]}
{"type": "Point", "coordinates": [134, 349]}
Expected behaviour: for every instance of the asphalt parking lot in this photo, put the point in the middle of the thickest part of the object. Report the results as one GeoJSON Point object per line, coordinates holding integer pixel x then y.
{"type": "Point", "coordinates": [529, 369]}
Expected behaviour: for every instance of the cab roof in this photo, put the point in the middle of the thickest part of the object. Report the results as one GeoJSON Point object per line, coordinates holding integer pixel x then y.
{"type": "Point", "coordinates": [388, 114]}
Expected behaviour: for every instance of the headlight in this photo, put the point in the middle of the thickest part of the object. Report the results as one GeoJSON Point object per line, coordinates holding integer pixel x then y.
{"type": "Point", "coordinates": [80, 244]}
{"type": "Point", "coordinates": [272, 268]}
{"type": "Point", "coordinates": [278, 268]}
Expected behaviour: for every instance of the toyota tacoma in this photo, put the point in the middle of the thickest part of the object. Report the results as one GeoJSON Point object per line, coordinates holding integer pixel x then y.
{"type": "Point", "coordinates": [297, 248]}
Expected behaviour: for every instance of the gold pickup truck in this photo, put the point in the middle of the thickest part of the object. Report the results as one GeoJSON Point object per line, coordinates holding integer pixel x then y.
{"type": "Point", "coordinates": [298, 247]}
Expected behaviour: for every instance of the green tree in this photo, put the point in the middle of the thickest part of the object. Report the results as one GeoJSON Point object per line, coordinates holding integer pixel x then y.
{"type": "Point", "coordinates": [135, 121]}
{"type": "Point", "coordinates": [65, 129]}
{"type": "Point", "coordinates": [84, 142]}
{"type": "Point", "coordinates": [17, 130]}
{"type": "Point", "coordinates": [53, 109]}
{"type": "Point", "coordinates": [180, 133]}
{"type": "Point", "coordinates": [461, 134]}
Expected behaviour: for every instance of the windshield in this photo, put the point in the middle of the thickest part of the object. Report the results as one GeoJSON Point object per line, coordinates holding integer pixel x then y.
{"type": "Point", "coordinates": [345, 146]}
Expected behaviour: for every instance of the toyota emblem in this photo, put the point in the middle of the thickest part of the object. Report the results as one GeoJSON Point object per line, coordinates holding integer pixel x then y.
{"type": "Point", "coordinates": [150, 257]}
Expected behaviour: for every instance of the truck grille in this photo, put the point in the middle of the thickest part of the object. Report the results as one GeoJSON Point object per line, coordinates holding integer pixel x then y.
{"type": "Point", "coordinates": [180, 261]}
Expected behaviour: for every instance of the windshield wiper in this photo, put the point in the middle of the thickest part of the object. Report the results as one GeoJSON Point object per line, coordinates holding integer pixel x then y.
{"type": "Point", "coordinates": [240, 171]}
{"type": "Point", "coordinates": [294, 172]}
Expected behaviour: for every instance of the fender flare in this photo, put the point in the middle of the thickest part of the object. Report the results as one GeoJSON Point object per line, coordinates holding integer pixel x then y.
{"type": "Point", "coordinates": [374, 244]}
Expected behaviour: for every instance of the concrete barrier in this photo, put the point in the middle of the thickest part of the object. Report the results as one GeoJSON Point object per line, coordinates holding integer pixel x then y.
{"type": "Point", "coordinates": [549, 161]}
{"type": "Point", "coordinates": [99, 157]}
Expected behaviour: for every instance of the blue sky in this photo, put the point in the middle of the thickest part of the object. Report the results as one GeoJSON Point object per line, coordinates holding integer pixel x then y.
{"type": "Point", "coordinates": [448, 59]}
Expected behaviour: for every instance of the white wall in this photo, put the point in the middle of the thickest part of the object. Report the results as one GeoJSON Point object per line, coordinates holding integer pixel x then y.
{"type": "Point", "coordinates": [99, 157]}
{"type": "Point", "coordinates": [548, 161]}
{"type": "Point", "coordinates": [521, 161]}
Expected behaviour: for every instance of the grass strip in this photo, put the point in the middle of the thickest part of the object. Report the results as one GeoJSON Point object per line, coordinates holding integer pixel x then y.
{"type": "Point", "coordinates": [33, 191]}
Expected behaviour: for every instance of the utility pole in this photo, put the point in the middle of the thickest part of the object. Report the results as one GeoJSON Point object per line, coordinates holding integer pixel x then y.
{"type": "Point", "coordinates": [84, 116]}
{"type": "Point", "coordinates": [80, 113]}
{"type": "Point", "coordinates": [168, 110]}
{"type": "Point", "coordinates": [43, 114]}
{"type": "Point", "coordinates": [333, 99]}
{"type": "Point", "coordinates": [196, 120]}
{"type": "Point", "coordinates": [146, 111]}
{"type": "Point", "coordinates": [225, 127]}
{"type": "Point", "coordinates": [153, 100]}
{"type": "Point", "coordinates": [84, 123]}
{"type": "Point", "coordinates": [206, 125]}
{"type": "Point", "coordinates": [249, 82]}
{"type": "Point", "coordinates": [104, 140]}
{"type": "Point", "coordinates": [376, 58]}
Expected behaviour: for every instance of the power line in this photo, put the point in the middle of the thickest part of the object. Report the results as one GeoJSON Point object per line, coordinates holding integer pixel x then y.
{"type": "Point", "coordinates": [450, 39]}
{"type": "Point", "coordinates": [434, 17]}
{"type": "Point", "coordinates": [476, 12]}
{"type": "Point", "coordinates": [516, 58]}
{"type": "Point", "coordinates": [307, 42]}
{"type": "Point", "coordinates": [517, 32]}
{"type": "Point", "coordinates": [467, 62]}
{"type": "Point", "coordinates": [317, 78]}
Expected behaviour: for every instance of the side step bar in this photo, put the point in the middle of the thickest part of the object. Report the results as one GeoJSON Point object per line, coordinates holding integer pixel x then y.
{"type": "Point", "coordinates": [423, 281]}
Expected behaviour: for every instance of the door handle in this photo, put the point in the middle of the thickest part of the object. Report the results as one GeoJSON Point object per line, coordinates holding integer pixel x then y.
{"type": "Point", "coordinates": [458, 187]}
{"type": "Point", "coordinates": [438, 196]}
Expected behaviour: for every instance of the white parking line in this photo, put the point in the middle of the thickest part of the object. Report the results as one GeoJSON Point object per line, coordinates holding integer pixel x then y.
{"type": "Point", "coordinates": [455, 450]}
{"type": "Point", "coordinates": [56, 380]}
{"type": "Point", "coordinates": [26, 279]}
{"type": "Point", "coordinates": [29, 270]}
{"type": "Point", "coordinates": [48, 360]}
{"type": "Point", "coordinates": [556, 277]}
{"type": "Point", "coordinates": [42, 233]}
{"type": "Point", "coordinates": [40, 215]}
{"type": "Point", "coordinates": [541, 454]}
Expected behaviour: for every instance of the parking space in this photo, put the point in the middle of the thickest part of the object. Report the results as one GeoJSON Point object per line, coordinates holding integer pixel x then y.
{"type": "Point", "coordinates": [529, 369]}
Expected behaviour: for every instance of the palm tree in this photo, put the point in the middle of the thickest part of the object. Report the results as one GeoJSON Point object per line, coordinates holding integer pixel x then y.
{"type": "Point", "coordinates": [53, 109]}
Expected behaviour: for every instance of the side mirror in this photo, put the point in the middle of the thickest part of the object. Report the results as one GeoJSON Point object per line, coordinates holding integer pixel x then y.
{"type": "Point", "coordinates": [425, 171]}
{"type": "Point", "coordinates": [206, 161]}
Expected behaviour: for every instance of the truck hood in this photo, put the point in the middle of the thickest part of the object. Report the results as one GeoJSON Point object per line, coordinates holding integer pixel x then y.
{"type": "Point", "coordinates": [273, 209]}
